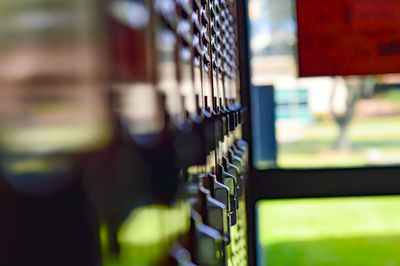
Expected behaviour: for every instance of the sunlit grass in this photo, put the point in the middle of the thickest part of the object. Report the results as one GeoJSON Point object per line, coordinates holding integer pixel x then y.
{"type": "Point", "coordinates": [340, 231]}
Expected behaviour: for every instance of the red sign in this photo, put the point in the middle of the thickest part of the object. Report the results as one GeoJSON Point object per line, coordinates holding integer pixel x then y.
{"type": "Point", "coordinates": [348, 37]}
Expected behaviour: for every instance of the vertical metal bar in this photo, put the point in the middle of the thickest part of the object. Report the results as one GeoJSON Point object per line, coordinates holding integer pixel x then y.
{"type": "Point", "coordinates": [245, 77]}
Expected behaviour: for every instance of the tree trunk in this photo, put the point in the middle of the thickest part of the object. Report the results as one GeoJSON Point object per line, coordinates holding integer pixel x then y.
{"type": "Point", "coordinates": [343, 120]}
{"type": "Point", "coordinates": [342, 142]}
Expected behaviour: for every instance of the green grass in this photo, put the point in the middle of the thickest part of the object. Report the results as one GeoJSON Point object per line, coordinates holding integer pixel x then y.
{"type": "Point", "coordinates": [373, 142]}
{"type": "Point", "coordinates": [362, 251]}
{"type": "Point", "coordinates": [341, 231]}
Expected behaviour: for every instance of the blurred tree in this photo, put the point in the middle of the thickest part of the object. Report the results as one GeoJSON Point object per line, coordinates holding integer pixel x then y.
{"type": "Point", "coordinates": [272, 26]}
{"type": "Point", "coordinates": [356, 89]}
{"type": "Point", "coordinates": [280, 13]}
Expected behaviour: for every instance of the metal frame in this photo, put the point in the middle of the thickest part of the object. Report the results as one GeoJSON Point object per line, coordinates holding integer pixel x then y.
{"type": "Point", "coordinates": [281, 183]}
{"type": "Point", "coordinates": [285, 183]}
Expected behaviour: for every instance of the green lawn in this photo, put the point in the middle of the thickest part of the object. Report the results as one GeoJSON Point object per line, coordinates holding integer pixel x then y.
{"type": "Point", "coordinates": [373, 142]}
{"type": "Point", "coordinates": [341, 231]}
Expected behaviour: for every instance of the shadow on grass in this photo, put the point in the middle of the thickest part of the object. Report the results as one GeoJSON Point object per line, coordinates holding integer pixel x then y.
{"type": "Point", "coordinates": [362, 251]}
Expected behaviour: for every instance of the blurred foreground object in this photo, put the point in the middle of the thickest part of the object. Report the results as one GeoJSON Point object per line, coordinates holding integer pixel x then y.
{"type": "Point", "coordinates": [53, 112]}
{"type": "Point", "coordinates": [120, 130]}
{"type": "Point", "coordinates": [52, 88]}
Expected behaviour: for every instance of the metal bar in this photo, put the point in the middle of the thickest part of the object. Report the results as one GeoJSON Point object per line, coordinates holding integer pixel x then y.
{"type": "Point", "coordinates": [274, 184]}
